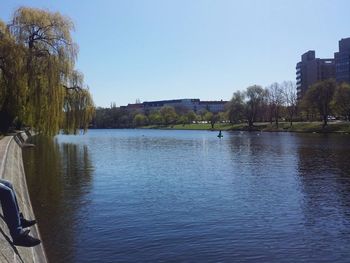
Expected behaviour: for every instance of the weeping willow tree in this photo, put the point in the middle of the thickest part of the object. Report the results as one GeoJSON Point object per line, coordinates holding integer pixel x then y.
{"type": "Point", "coordinates": [12, 82]}
{"type": "Point", "coordinates": [78, 106]}
{"type": "Point", "coordinates": [51, 94]}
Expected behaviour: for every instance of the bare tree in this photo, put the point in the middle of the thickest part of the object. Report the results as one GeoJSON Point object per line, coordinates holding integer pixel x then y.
{"type": "Point", "coordinates": [276, 100]}
{"type": "Point", "coordinates": [254, 98]}
{"type": "Point", "coordinates": [269, 107]}
{"type": "Point", "coordinates": [290, 99]}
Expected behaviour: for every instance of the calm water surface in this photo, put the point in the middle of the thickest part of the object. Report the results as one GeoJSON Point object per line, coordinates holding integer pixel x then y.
{"type": "Point", "coordinates": [187, 196]}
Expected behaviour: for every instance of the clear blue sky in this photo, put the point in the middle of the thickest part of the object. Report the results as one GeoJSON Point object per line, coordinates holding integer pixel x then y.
{"type": "Point", "coordinates": [207, 49]}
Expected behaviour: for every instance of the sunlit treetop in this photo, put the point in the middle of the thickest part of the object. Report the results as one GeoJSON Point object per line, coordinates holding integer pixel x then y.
{"type": "Point", "coordinates": [40, 86]}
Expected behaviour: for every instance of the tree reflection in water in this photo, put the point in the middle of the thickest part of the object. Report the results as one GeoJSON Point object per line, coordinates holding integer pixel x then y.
{"type": "Point", "coordinates": [59, 178]}
{"type": "Point", "coordinates": [270, 196]}
{"type": "Point", "coordinates": [324, 169]}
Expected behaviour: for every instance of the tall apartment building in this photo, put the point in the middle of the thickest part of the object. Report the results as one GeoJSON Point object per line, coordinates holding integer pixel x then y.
{"type": "Point", "coordinates": [342, 61]}
{"type": "Point", "coordinates": [311, 69]}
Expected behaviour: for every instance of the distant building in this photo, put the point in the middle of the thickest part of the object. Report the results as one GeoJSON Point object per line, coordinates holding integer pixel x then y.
{"type": "Point", "coordinates": [135, 107]}
{"type": "Point", "coordinates": [342, 61]}
{"type": "Point", "coordinates": [185, 104]}
{"type": "Point", "coordinates": [180, 104]}
{"type": "Point", "coordinates": [212, 106]}
{"type": "Point", "coordinates": [311, 70]}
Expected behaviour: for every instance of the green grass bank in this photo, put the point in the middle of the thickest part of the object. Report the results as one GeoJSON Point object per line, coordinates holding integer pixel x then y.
{"type": "Point", "coordinates": [307, 127]}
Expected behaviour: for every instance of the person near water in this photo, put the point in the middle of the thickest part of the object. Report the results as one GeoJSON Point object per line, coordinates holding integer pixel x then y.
{"type": "Point", "coordinates": [220, 134]}
{"type": "Point", "coordinates": [14, 218]}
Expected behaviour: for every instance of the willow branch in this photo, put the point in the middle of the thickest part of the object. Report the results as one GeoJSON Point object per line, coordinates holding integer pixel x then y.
{"type": "Point", "coordinates": [76, 88]}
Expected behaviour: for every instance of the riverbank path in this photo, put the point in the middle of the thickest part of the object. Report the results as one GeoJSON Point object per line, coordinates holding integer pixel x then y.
{"type": "Point", "coordinates": [11, 169]}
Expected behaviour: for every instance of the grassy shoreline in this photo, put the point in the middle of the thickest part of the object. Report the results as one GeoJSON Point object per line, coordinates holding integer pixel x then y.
{"type": "Point", "coordinates": [306, 127]}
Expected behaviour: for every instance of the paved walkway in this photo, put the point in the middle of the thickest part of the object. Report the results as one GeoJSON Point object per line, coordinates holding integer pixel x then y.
{"type": "Point", "coordinates": [11, 169]}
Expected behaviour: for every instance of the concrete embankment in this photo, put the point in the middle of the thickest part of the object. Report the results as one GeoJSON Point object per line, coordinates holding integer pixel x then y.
{"type": "Point", "coordinates": [11, 169]}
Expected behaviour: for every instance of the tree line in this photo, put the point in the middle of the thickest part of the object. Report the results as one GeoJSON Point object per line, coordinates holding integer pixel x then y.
{"type": "Point", "coordinates": [271, 104]}
{"type": "Point", "coordinates": [326, 98]}
{"type": "Point", "coordinates": [39, 86]}
{"type": "Point", "coordinates": [118, 117]}
{"type": "Point", "coordinates": [275, 103]}
{"type": "Point", "coordinates": [253, 104]}
{"type": "Point", "coordinates": [279, 101]}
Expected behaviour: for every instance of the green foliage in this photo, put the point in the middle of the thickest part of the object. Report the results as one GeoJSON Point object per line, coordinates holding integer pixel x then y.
{"type": "Point", "coordinates": [183, 120]}
{"type": "Point", "coordinates": [112, 118]}
{"type": "Point", "coordinates": [155, 118]}
{"type": "Point", "coordinates": [276, 102]}
{"type": "Point", "coordinates": [12, 83]}
{"type": "Point", "coordinates": [222, 116]}
{"type": "Point", "coordinates": [236, 107]}
{"type": "Point", "coordinates": [78, 109]}
{"type": "Point", "coordinates": [319, 97]}
{"type": "Point", "coordinates": [168, 114]}
{"type": "Point", "coordinates": [140, 120]}
{"type": "Point", "coordinates": [251, 106]}
{"type": "Point", "coordinates": [187, 117]}
{"type": "Point", "coordinates": [39, 86]}
{"type": "Point", "coordinates": [191, 116]}
{"type": "Point", "coordinates": [208, 116]}
{"type": "Point", "coordinates": [211, 118]}
{"type": "Point", "coordinates": [341, 100]}
{"type": "Point", "coordinates": [116, 117]}
{"type": "Point", "coordinates": [255, 97]}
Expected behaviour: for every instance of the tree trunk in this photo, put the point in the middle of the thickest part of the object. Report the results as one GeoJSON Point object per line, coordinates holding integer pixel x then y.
{"type": "Point", "coordinates": [276, 116]}
{"type": "Point", "coordinates": [250, 123]}
{"type": "Point", "coordinates": [291, 120]}
{"type": "Point", "coordinates": [324, 120]}
{"type": "Point", "coordinates": [270, 114]}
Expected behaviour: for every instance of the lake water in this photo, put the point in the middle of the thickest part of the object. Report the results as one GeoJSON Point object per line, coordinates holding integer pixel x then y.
{"type": "Point", "coordinates": [187, 196]}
